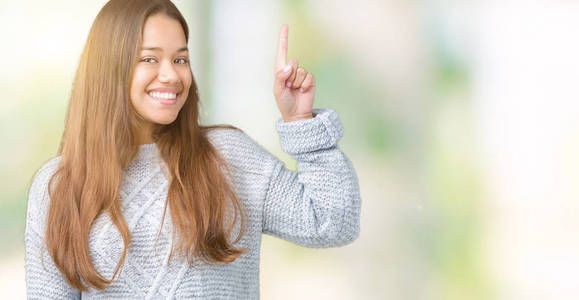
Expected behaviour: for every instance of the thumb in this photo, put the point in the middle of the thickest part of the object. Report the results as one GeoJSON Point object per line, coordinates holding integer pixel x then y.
{"type": "Point", "coordinates": [281, 76]}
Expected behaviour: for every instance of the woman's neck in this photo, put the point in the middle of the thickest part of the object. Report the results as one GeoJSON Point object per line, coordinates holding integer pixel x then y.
{"type": "Point", "coordinates": [144, 135]}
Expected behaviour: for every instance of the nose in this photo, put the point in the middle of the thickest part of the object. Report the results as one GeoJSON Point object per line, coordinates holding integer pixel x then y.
{"type": "Point", "coordinates": [167, 73]}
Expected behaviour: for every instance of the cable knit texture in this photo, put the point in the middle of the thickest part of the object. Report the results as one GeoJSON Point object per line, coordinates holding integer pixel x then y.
{"type": "Point", "coordinates": [319, 206]}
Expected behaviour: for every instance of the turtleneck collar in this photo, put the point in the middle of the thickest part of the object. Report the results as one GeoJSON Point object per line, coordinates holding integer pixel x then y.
{"type": "Point", "coordinates": [146, 152]}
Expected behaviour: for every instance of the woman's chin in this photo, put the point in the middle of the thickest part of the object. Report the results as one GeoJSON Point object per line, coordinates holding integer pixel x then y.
{"type": "Point", "coordinates": [165, 120]}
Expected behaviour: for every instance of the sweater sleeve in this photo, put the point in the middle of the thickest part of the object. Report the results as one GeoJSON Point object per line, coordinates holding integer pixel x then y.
{"type": "Point", "coordinates": [319, 206]}
{"type": "Point", "coordinates": [43, 279]}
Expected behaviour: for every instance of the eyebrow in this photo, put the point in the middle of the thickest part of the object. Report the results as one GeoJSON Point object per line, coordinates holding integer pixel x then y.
{"type": "Point", "coordinates": [159, 49]}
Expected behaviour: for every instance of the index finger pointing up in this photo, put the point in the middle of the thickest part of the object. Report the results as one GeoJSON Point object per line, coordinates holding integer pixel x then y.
{"type": "Point", "coordinates": [282, 47]}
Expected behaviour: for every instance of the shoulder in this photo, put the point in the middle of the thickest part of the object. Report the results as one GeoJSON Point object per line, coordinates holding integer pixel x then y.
{"type": "Point", "coordinates": [44, 173]}
{"type": "Point", "coordinates": [38, 197]}
{"type": "Point", "coordinates": [233, 142]}
{"type": "Point", "coordinates": [241, 151]}
{"type": "Point", "coordinates": [225, 136]}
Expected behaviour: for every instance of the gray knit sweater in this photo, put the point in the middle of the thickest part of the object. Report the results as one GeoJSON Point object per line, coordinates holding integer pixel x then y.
{"type": "Point", "coordinates": [317, 207]}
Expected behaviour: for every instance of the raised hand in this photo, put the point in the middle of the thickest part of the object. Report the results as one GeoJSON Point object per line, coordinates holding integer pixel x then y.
{"type": "Point", "coordinates": [294, 88]}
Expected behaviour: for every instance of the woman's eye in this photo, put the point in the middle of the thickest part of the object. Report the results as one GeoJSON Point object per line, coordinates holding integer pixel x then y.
{"type": "Point", "coordinates": [149, 59]}
{"type": "Point", "coordinates": [182, 61]}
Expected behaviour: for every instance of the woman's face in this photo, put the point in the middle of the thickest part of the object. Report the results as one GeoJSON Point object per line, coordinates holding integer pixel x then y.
{"type": "Point", "coordinates": [162, 76]}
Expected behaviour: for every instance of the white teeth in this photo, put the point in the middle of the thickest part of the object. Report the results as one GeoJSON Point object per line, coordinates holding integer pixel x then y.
{"type": "Point", "coordinates": [163, 95]}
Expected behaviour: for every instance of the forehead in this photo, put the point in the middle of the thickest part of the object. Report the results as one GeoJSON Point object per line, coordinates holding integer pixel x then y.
{"type": "Point", "coordinates": [163, 32]}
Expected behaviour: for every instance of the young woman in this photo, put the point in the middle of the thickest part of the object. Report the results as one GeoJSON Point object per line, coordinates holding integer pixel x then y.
{"type": "Point", "coordinates": [143, 202]}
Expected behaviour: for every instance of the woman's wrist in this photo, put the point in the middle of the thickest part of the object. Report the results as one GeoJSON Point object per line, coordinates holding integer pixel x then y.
{"type": "Point", "coordinates": [297, 118]}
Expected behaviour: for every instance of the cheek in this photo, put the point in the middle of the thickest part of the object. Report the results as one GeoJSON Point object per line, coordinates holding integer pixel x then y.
{"type": "Point", "coordinates": [186, 79]}
{"type": "Point", "coordinates": [138, 86]}
{"type": "Point", "coordinates": [139, 81]}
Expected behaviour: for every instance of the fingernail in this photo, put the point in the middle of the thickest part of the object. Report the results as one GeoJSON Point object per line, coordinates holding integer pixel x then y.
{"type": "Point", "coordinates": [302, 90]}
{"type": "Point", "coordinates": [287, 68]}
{"type": "Point", "coordinates": [288, 84]}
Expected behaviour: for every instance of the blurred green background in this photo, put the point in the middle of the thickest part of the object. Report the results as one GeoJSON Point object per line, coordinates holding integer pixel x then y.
{"type": "Point", "coordinates": [459, 117]}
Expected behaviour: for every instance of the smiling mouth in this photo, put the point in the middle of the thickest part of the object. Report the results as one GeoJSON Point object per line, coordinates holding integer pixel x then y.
{"type": "Point", "coordinates": [163, 96]}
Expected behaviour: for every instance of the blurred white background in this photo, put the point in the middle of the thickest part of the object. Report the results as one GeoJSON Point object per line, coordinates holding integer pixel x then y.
{"type": "Point", "coordinates": [461, 120]}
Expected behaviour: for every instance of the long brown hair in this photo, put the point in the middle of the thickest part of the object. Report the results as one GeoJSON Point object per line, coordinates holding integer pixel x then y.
{"type": "Point", "coordinates": [99, 142]}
